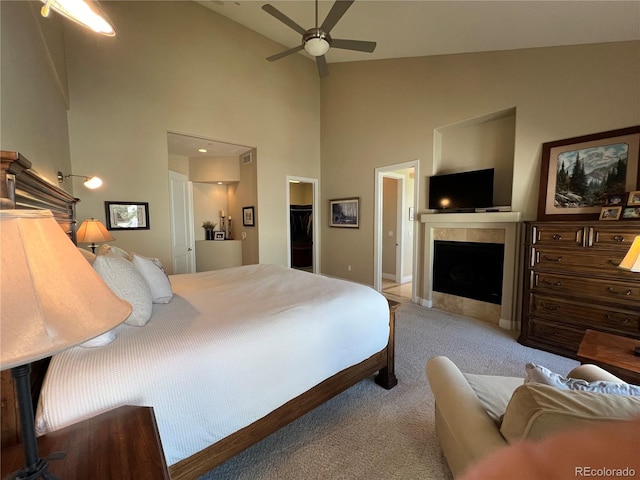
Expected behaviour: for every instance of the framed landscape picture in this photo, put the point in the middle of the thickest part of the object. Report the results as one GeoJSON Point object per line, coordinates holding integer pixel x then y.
{"type": "Point", "coordinates": [127, 215]}
{"type": "Point", "coordinates": [580, 175]}
{"type": "Point", "coordinates": [344, 212]}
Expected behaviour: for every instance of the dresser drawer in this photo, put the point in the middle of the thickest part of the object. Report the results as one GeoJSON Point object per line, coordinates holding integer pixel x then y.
{"type": "Point", "coordinates": [584, 315]}
{"type": "Point", "coordinates": [617, 237]}
{"type": "Point", "coordinates": [554, 235]}
{"type": "Point", "coordinates": [623, 293]}
{"type": "Point", "coordinates": [565, 337]}
{"type": "Point", "coordinates": [603, 263]}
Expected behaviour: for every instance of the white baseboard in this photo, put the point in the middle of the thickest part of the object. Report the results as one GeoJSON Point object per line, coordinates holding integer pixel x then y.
{"type": "Point", "coordinates": [425, 303]}
{"type": "Point", "coordinates": [508, 324]}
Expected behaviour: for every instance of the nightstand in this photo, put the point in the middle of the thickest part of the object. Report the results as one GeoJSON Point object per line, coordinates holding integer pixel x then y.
{"type": "Point", "coordinates": [121, 443]}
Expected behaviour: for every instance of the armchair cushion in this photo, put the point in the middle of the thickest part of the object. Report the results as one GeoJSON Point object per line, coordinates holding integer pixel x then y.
{"type": "Point", "coordinates": [535, 410]}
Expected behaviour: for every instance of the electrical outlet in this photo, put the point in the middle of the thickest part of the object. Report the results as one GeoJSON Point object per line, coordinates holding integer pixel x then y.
{"type": "Point", "coordinates": [244, 235]}
{"type": "Point", "coordinates": [348, 268]}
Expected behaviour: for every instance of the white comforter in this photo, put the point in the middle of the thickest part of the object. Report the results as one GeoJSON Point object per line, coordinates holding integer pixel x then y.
{"type": "Point", "coordinates": [230, 347]}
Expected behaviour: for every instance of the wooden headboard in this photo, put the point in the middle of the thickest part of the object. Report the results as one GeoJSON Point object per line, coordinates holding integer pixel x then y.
{"type": "Point", "coordinates": [22, 187]}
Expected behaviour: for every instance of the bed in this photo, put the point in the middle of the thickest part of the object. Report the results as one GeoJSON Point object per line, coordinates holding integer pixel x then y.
{"type": "Point", "coordinates": [251, 349]}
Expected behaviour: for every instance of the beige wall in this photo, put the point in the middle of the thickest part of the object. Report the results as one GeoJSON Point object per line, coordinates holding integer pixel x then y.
{"type": "Point", "coordinates": [34, 92]}
{"type": "Point", "coordinates": [173, 66]}
{"type": "Point", "coordinates": [378, 113]}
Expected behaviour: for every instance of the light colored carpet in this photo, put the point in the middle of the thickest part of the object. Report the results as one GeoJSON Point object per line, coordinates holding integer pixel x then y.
{"type": "Point", "coordinates": [371, 433]}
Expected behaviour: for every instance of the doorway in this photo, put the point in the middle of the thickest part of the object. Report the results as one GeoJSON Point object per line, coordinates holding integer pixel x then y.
{"type": "Point", "coordinates": [302, 231]}
{"type": "Point", "coordinates": [395, 255]}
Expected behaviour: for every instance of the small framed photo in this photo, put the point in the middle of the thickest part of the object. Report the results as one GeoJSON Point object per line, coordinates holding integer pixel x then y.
{"type": "Point", "coordinates": [218, 235]}
{"type": "Point", "coordinates": [248, 219]}
{"type": "Point", "coordinates": [631, 213]}
{"type": "Point", "coordinates": [634, 198]}
{"type": "Point", "coordinates": [610, 213]}
{"type": "Point", "coordinates": [344, 212]}
{"type": "Point", "coordinates": [616, 199]}
{"type": "Point", "coordinates": [127, 215]}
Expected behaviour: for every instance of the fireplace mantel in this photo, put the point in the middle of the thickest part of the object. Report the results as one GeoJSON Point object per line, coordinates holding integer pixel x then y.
{"type": "Point", "coordinates": [485, 217]}
{"type": "Point", "coordinates": [508, 223]}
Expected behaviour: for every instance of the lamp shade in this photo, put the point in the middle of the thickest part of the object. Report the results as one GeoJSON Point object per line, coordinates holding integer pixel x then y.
{"type": "Point", "coordinates": [631, 261]}
{"type": "Point", "coordinates": [50, 296]}
{"type": "Point", "coordinates": [93, 231]}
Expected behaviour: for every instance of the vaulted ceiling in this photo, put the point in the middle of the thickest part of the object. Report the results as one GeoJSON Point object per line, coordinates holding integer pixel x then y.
{"type": "Point", "coordinates": [418, 27]}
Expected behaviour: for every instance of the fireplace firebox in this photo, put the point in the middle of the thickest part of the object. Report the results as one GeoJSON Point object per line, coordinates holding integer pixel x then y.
{"type": "Point", "coordinates": [469, 269]}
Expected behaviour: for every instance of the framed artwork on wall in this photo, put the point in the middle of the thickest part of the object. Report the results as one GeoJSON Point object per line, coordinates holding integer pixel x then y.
{"type": "Point", "coordinates": [127, 215]}
{"type": "Point", "coordinates": [579, 175]}
{"type": "Point", "coordinates": [248, 217]}
{"type": "Point", "coordinates": [345, 212]}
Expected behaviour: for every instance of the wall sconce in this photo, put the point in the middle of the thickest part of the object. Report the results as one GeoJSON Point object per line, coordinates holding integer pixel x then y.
{"type": "Point", "coordinates": [85, 12]}
{"type": "Point", "coordinates": [89, 182]}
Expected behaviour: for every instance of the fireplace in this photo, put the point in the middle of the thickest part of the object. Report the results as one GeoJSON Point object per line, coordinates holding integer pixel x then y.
{"type": "Point", "coordinates": [469, 269]}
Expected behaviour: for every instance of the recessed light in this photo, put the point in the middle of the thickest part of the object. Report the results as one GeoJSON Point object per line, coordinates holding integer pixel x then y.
{"type": "Point", "coordinates": [202, 150]}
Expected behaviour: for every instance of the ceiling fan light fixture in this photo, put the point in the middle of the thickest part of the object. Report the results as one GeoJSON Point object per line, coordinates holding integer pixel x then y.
{"type": "Point", "coordinates": [316, 46]}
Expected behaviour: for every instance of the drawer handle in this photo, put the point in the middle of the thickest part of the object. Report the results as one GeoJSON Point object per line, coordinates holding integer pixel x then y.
{"type": "Point", "coordinates": [549, 307]}
{"type": "Point", "coordinates": [553, 284]}
{"type": "Point", "coordinates": [611, 318]}
{"type": "Point", "coordinates": [624, 294]}
{"type": "Point", "coordinates": [550, 259]}
{"type": "Point", "coordinates": [557, 236]}
{"type": "Point", "coordinates": [619, 238]}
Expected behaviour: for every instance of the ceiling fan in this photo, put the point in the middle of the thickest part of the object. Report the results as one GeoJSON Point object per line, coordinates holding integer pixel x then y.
{"type": "Point", "coordinates": [317, 41]}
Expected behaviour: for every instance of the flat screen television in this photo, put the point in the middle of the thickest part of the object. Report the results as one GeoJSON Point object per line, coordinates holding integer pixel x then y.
{"type": "Point", "coordinates": [461, 192]}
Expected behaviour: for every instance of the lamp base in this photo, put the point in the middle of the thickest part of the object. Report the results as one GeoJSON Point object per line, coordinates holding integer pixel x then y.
{"type": "Point", "coordinates": [39, 470]}
{"type": "Point", "coordinates": [36, 467]}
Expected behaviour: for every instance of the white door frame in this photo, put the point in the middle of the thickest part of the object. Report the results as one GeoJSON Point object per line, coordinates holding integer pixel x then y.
{"type": "Point", "coordinates": [380, 173]}
{"type": "Point", "coordinates": [315, 219]}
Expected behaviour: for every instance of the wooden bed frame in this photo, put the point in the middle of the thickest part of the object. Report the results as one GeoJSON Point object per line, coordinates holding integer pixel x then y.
{"type": "Point", "coordinates": [22, 187]}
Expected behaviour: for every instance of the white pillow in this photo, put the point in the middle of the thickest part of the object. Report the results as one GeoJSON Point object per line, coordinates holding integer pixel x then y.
{"type": "Point", "coordinates": [153, 272]}
{"type": "Point", "coordinates": [101, 340]}
{"type": "Point", "coordinates": [107, 249]}
{"type": "Point", "coordinates": [539, 374]}
{"type": "Point", "coordinates": [127, 283]}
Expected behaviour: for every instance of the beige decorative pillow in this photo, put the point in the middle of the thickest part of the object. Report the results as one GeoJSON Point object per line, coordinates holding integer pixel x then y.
{"type": "Point", "coordinates": [153, 272]}
{"type": "Point", "coordinates": [89, 256]}
{"type": "Point", "coordinates": [110, 249]}
{"type": "Point", "coordinates": [536, 410]}
{"type": "Point", "coordinates": [127, 283]}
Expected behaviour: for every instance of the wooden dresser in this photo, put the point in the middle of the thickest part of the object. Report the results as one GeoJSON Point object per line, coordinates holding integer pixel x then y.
{"type": "Point", "coordinates": [572, 283]}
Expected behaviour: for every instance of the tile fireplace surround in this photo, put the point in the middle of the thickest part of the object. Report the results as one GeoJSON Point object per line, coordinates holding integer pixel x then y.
{"type": "Point", "coordinates": [492, 227]}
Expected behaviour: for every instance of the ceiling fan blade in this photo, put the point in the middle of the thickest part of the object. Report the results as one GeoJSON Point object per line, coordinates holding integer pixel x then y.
{"type": "Point", "coordinates": [270, 9]}
{"type": "Point", "coordinates": [280, 55]}
{"type": "Point", "coordinates": [359, 45]}
{"type": "Point", "coordinates": [323, 69]}
{"type": "Point", "coordinates": [337, 11]}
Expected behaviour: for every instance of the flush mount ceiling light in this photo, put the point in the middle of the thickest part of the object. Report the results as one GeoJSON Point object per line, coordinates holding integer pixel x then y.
{"type": "Point", "coordinates": [85, 12]}
{"type": "Point", "coordinates": [89, 182]}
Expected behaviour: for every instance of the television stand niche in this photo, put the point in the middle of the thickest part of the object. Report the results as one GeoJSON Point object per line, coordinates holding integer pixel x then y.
{"type": "Point", "coordinates": [572, 283]}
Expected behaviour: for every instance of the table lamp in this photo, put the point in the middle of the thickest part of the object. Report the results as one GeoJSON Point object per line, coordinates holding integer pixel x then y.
{"type": "Point", "coordinates": [631, 261]}
{"type": "Point", "coordinates": [93, 231]}
{"type": "Point", "coordinates": [51, 299]}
